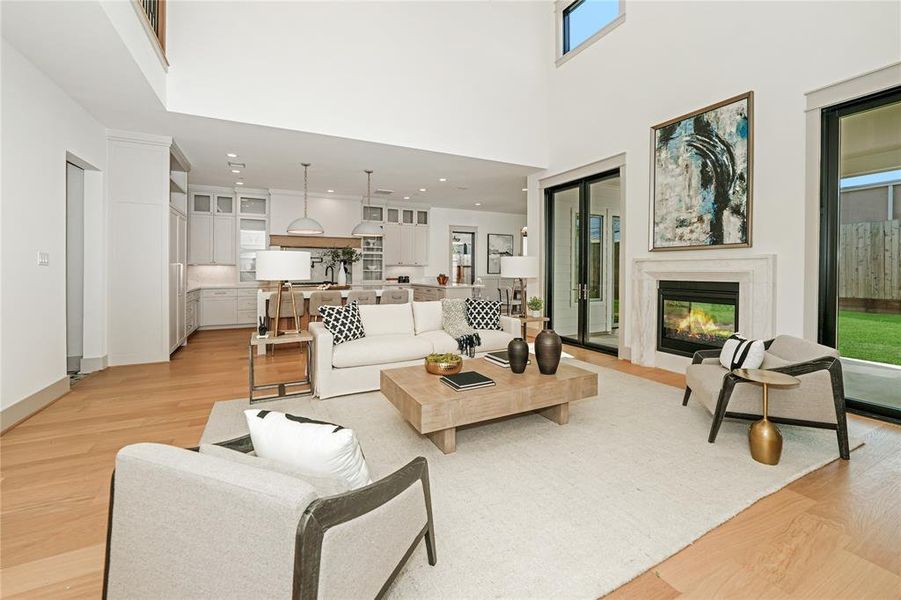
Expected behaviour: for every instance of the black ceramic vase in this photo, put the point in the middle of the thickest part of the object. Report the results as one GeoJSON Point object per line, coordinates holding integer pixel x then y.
{"type": "Point", "coordinates": [548, 348]}
{"type": "Point", "coordinates": [518, 354]}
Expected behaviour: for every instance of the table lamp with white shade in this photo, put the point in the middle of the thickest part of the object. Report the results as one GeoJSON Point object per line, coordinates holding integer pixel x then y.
{"type": "Point", "coordinates": [283, 267]}
{"type": "Point", "coordinates": [521, 268]}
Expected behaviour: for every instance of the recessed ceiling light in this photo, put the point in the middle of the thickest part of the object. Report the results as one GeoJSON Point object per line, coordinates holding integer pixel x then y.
{"type": "Point", "coordinates": [443, 179]}
{"type": "Point", "coordinates": [525, 189]}
{"type": "Point", "coordinates": [236, 170]}
{"type": "Point", "coordinates": [232, 155]}
{"type": "Point", "coordinates": [239, 183]}
{"type": "Point", "coordinates": [331, 191]}
{"type": "Point", "coordinates": [422, 189]}
{"type": "Point", "coordinates": [406, 197]}
{"type": "Point", "coordinates": [478, 204]}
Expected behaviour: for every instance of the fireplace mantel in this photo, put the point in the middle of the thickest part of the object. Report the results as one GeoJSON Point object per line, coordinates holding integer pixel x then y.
{"type": "Point", "coordinates": [756, 277]}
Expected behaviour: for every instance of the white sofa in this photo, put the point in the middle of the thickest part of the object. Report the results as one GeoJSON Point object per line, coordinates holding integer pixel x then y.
{"type": "Point", "coordinates": [397, 335]}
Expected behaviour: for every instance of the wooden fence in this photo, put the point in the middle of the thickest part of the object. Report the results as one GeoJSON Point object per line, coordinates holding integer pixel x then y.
{"type": "Point", "coordinates": [870, 260]}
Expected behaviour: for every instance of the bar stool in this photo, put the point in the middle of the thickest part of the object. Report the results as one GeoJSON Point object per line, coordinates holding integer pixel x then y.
{"type": "Point", "coordinates": [362, 296]}
{"type": "Point", "coordinates": [395, 296]}
{"type": "Point", "coordinates": [318, 299]}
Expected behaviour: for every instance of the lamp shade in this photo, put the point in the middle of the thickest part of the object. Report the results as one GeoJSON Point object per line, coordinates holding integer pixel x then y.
{"type": "Point", "coordinates": [305, 226]}
{"type": "Point", "coordinates": [283, 265]}
{"type": "Point", "coordinates": [520, 267]}
{"type": "Point", "coordinates": [368, 229]}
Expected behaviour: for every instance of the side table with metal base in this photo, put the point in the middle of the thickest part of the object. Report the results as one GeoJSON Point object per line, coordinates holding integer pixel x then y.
{"type": "Point", "coordinates": [526, 320]}
{"type": "Point", "coordinates": [764, 438]}
{"type": "Point", "coordinates": [301, 337]}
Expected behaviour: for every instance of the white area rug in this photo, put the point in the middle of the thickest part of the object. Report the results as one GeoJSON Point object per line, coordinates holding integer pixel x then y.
{"type": "Point", "coordinates": [529, 509]}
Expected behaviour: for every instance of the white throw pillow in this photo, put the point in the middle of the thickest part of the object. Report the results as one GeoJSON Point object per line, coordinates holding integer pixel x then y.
{"type": "Point", "coordinates": [739, 353]}
{"type": "Point", "coordinates": [387, 319]}
{"type": "Point", "coordinates": [427, 316]}
{"type": "Point", "coordinates": [315, 448]}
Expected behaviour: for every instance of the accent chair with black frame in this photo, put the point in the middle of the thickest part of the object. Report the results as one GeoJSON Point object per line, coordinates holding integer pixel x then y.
{"type": "Point", "coordinates": [188, 524]}
{"type": "Point", "coordinates": [819, 401]}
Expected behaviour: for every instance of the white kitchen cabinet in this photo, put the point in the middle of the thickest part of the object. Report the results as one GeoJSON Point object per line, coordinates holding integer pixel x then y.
{"type": "Point", "coordinates": [192, 312]}
{"type": "Point", "coordinates": [218, 307]}
{"type": "Point", "coordinates": [177, 278]}
{"type": "Point", "coordinates": [422, 216]}
{"type": "Point", "coordinates": [406, 245]}
{"type": "Point", "coordinates": [420, 246]}
{"type": "Point", "coordinates": [223, 240]}
{"type": "Point", "coordinates": [200, 248]}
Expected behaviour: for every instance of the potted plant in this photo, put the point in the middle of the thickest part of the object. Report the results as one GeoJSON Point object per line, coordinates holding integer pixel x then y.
{"type": "Point", "coordinates": [338, 259]}
{"type": "Point", "coordinates": [535, 305]}
{"type": "Point", "coordinates": [444, 364]}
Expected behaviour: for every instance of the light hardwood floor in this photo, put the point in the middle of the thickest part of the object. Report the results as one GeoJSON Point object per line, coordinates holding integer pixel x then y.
{"type": "Point", "coordinates": [835, 533]}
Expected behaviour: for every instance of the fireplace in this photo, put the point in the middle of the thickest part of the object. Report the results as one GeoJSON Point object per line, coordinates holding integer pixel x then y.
{"type": "Point", "coordinates": [695, 315]}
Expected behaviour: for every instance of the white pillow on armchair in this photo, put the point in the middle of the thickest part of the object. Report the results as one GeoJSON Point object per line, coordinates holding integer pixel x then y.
{"type": "Point", "coordinates": [740, 353]}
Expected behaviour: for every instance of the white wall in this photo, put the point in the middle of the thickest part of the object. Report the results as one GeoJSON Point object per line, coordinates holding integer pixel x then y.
{"type": "Point", "coordinates": [40, 124]}
{"type": "Point", "coordinates": [670, 58]}
{"type": "Point", "coordinates": [487, 222]}
{"type": "Point", "coordinates": [466, 78]}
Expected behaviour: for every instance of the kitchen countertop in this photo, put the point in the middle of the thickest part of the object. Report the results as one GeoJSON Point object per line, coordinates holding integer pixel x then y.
{"type": "Point", "coordinates": [461, 286]}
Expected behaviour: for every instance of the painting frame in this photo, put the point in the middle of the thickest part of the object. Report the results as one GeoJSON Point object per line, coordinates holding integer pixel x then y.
{"type": "Point", "coordinates": [498, 244]}
{"type": "Point", "coordinates": [748, 98]}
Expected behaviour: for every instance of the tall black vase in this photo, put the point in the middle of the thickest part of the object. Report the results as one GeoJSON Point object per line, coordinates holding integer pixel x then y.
{"type": "Point", "coordinates": [518, 354]}
{"type": "Point", "coordinates": [548, 348]}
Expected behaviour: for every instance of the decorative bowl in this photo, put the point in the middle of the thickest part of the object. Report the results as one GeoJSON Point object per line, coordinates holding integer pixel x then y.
{"type": "Point", "coordinates": [442, 279]}
{"type": "Point", "coordinates": [447, 366]}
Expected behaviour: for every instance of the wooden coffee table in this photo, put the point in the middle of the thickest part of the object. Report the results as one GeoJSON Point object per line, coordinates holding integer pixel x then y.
{"type": "Point", "coordinates": [436, 410]}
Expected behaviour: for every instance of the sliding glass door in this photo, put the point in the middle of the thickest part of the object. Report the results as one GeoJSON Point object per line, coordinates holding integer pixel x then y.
{"type": "Point", "coordinates": [583, 263]}
{"type": "Point", "coordinates": [860, 291]}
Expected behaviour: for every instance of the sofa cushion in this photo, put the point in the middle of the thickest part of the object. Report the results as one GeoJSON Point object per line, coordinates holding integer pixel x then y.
{"type": "Point", "coordinates": [343, 322]}
{"type": "Point", "coordinates": [492, 340]}
{"type": "Point", "coordinates": [315, 448]}
{"type": "Point", "coordinates": [387, 319]}
{"type": "Point", "coordinates": [483, 314]}
{"type": "Point", "coordinates": [441, 342]}
{"type": "Point", "coordinates": [427, 316]}
{"type": "Point", "coordinates": [379, 350]}
{"type": "Point", "coordinates": [797, 350]}
{"type": "Point", "coordinates": [324, 486]}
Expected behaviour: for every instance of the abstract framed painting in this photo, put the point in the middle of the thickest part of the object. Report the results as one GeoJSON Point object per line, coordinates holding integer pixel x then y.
{"type": "Point", "coordinates": [499, 244]}
{"type": "Point", "coordinates": [701, 169]}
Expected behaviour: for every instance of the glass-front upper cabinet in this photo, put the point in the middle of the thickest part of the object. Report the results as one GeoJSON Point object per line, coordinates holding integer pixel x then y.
{"type": "Point", "coordinates": [201, 202]}
{"type": "Point", "coordinates": [407, 216]}
{"type": "Point", "coordinates": [373, 213]}
{"type": "Point", "coordinates": [252, 205]}
{"type": "Point", "coordinates": [251, 238]}
{"type": "Point", "coordinates": [225, 204]}
{"type": "Point", "coordinates": [422, 216]}
{"type": "Point", "coordinates": [392, 215]}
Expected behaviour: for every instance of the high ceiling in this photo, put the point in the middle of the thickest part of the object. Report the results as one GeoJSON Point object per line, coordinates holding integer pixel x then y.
{"type": "Point", "coordinates": [90, 62]}
{"type": "Point", "coordinates": [273, 156]}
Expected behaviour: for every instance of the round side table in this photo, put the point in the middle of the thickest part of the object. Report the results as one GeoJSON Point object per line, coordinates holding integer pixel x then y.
{"type": "Point", "coordinates": [764, 437]}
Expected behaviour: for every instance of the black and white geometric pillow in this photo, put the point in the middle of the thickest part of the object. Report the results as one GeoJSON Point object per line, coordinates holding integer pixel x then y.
{"type": "Point", "coordinates": [343, 322]}
{"type": "Point", "coordinates": [483, 314]}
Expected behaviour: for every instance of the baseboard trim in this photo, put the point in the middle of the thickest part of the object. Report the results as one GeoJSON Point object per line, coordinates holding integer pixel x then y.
{"type": "Point", "coordinates": [28, 406]}
{"type": "Point", "coordinates": [94, 363]}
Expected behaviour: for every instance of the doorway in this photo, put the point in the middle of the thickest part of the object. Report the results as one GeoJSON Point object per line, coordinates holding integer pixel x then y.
{"type": "Point", "coordinates": [463, 254]}
{"type": "Point", "coordinates": [74, 267]}
{"type": "Point", "coordinates": [860, 249]}
{"type": "Point", "coordinates": [584, 225]}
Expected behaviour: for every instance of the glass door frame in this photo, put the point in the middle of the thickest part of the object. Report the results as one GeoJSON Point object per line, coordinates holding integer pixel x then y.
{"type": "Point", "coordinates": [830, 222]}
{"type": "Point", "coordinates": [583, 185]}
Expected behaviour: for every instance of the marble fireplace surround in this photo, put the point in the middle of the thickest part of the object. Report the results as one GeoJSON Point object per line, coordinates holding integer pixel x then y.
{"type": "Point", "coordinates": [756, 277]}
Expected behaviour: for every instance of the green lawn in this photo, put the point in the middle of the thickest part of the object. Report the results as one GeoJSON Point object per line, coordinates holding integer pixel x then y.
{"type": "Point", "coordinates": [870, 336]}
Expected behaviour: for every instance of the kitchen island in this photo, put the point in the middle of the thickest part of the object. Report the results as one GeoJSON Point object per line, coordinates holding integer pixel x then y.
{"type": "Point", "coordinates": [426, 292]}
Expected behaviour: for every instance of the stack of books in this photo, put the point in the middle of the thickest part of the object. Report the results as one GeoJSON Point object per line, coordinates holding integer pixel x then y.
{"type": "Point", "coordinates": [470, 380]}
{"type": "Point", "coordinates": [501, 359]}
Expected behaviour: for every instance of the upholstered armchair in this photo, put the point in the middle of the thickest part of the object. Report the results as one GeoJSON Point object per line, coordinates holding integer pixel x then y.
{"type": "Point", "coordinates": [188, 524]}
{"type": "Point", "coordinates": [819, 401]}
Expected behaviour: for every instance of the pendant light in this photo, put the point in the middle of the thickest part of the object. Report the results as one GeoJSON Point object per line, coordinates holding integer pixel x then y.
{"type": "Point", "coordinates": [305, 225]}
{"type": "Point", "coordinates": [367, 228]}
